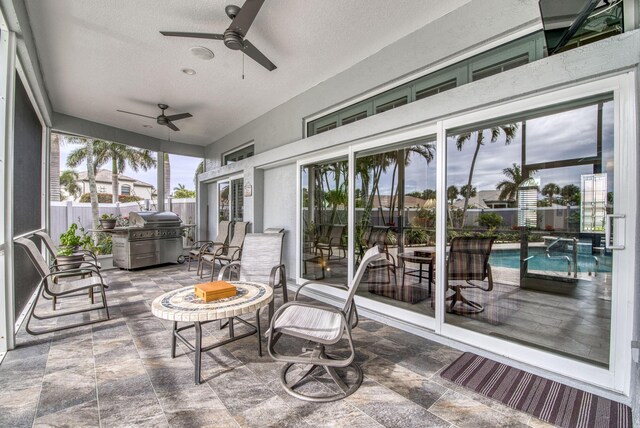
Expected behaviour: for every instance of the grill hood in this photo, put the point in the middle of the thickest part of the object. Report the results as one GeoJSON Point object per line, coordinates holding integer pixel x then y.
{"type": "Point", "coordinates": [154, 219]}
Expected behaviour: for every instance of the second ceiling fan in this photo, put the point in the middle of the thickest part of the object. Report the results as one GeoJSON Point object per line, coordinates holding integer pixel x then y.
{"type": "Point", "coordinates": [234, 36]}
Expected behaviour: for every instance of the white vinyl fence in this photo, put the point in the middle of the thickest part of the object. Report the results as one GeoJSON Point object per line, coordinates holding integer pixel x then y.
{"type": "Point", "coordinates": [63, 214]}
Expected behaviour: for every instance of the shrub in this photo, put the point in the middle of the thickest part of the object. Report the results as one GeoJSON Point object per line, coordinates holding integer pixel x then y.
{"type": "Point", "coordinates": [490, 220]}
{"type": "Point", "coordinates": [107, 198]}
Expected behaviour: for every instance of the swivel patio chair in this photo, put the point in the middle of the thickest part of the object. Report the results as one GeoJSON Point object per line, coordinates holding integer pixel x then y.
{"type": "Point", "coordinates": [323, 326]}
{"type": "Point", "coordinates": [467, 268]}
{"type": "Point", "coordinates": [261, 262]}
{"type": "Point", "coordinates": [200, 247]}
{"type": "Point", "coordinates": [225, 254]}
{"type": "Point", "coordinates": [64, 289]}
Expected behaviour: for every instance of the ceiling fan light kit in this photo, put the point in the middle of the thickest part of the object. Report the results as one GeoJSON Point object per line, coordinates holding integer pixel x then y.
{"type": "Point", "coordinates": [201, 52]}
{"type": "Point", "coordinates": [234, 36]}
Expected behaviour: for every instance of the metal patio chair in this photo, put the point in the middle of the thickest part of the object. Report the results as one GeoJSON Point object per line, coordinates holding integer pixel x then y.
{"type": "Point", "coordinates": [227, 253]}
{"type": "Point", "coordinates": [200, 247]}
{"type": "Point", "coordinates": [468, 267]}
{"type": "Point", "coordinates": [261, 262]}
{"type": "Point", "coordinates": [323, 326]}
{"type": "Point", "coordinates": [65, 289]}
{"type": "Point", "coordinates": [89, 256]}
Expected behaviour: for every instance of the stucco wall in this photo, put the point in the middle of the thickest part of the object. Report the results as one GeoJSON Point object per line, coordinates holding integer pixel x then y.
{"type": "Point", "coordinates": [466, 28]}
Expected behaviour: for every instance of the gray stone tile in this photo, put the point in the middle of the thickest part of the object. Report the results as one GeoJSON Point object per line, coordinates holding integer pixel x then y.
{"type": "Point", "coordinates": [66, 388]}
{"type": "Point", "coordinates": [391, 409]}
{"type": "Point", "coordinates": [195, 406]}
{"type": "Point", "coordinates": [240, 390]}
{"type": "Point", "coordinates": [272, 412]}
{"type": "Point", "coordinates": [80, 415]}
{"type": "Point", "coordinates": [462, 411]}
{"type": "Point", "coordinates": [404, 382]}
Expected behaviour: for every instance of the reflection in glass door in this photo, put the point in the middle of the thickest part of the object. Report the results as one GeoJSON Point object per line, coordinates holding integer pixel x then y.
{"type": "Point", "coordinates": [527, 203]}
{"type": "Point", "coordinates": [324, 221]}
{"type": "Point", "coordinates": [395, 205]}
{"type": "Point", "coordinates": [237, 199]}
{"type": "Point", "coordinates": [223, 201]}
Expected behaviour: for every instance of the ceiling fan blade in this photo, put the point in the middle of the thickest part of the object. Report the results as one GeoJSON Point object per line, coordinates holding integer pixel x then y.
{"type": "Point", "coordinates": [245, 17]}
{"type": "Point", "coordinates": [253, 52]}
{"type": "Point", "coordinates": [172, 126]}
{"type": "Point", "coordinates": [193, 35]}
{"type": "Point", "coordinates": [178, 116]}
{"type": "Point", "coordinates": [136, 114]}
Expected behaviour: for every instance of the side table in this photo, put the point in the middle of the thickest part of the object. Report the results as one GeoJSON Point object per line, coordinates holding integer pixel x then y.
{"type": "Point", "coordinates": [183, 306]}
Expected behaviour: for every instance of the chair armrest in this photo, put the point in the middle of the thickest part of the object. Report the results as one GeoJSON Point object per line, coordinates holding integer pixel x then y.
{"type": "Point", "coordinates": [274, 271]}
{"type": "Point", "coordinates": [304, 284]}
{"type": "Point", "coordinates": [199, 244]}
{"type": "Point", "coordinates": [226, 268]}
{"type": "Point", "coordinates": [80, 270]}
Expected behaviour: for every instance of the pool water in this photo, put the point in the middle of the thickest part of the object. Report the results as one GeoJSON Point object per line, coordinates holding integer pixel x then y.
{"type": "Point", "coordinates": [511, 259]}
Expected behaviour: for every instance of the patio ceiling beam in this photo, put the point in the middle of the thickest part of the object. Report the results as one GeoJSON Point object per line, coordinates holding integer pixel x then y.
{"type": "Point", "coordinates": [75, 126]}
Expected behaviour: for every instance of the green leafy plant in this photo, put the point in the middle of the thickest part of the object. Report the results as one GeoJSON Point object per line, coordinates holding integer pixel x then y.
{"type": "Point", "coordinates": [108, 217]}
{"type": "Point", "coordinates": [490, 220]}
{"type": "Point", "coordinates": [69, 241]}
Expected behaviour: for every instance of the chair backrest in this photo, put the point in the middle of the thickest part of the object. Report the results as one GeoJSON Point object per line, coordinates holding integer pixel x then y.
{"type": "Point", "coordinates": [336, 233]}
{"type": "Point", "coordinates": [260, 253]}
{"type": "Point", "coordinates": [469, 258]}
{"type": "Point", "coordinates": [378, 236]}
{"type": "Point", "coordinates": [274, 230]}
{"type": "Point", "coordinates": [34, 254]}
{"type": "Point", "coordinates": [371, 255]}
{"type": "Point", "coordinates": [48, 242]}
{"type": "Point", "coordinates": [223, 232]}
{"type": "Point", "coordinates": [239, 233]}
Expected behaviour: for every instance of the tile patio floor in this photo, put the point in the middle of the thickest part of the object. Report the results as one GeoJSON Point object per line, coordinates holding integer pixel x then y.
{"type": "Point", "coordinates": [119, 373]}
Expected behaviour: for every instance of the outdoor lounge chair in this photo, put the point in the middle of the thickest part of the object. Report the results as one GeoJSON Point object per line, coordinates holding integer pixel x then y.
{"type": "Point", "coordinates": [225, 254]}
{"type": "Point", "coordinates": [89, 256]}
{"type": "Point", "coordinates": [46, 286]}
{"type": "Point", "coordinates": [261, 262]}
{"type": "Point", "coordinates": [468, 267]}
{"type": "Point", "coordinates": [323, 326]}
{"type": "Point", "coordinates": [199, 247]}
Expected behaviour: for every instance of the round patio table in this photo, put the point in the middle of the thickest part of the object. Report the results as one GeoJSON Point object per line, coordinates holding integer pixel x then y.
{"type": "Point", "coordinates": [182, 305]}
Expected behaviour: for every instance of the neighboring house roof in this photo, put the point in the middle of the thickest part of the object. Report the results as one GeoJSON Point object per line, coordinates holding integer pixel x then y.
{"type": "Point", "coordinates": [482, 199]}
{"type": "Point", "coordinates": [104, 176]}
{"type": "Point", "coordinates": [409, 201]}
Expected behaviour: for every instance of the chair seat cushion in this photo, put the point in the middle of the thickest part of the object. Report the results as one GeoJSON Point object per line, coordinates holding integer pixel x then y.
{"type": "Point", "coordinates": [310, 323]}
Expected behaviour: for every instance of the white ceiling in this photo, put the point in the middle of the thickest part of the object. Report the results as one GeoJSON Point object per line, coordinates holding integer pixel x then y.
{"type": "Point", "coordinates": [98, 56]}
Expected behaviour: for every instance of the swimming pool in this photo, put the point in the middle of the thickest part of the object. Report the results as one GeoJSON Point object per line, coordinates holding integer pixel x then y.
{"type": "Point", "coordinates": [511, 259]}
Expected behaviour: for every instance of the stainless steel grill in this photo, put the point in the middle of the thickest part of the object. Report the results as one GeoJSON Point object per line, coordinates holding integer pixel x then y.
{"type": "Point", "coordinates": [152, 238]}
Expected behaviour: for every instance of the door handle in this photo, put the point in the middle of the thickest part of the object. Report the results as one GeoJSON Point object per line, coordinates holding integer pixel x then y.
{"type": "Point", "coordinates": [607, 232]}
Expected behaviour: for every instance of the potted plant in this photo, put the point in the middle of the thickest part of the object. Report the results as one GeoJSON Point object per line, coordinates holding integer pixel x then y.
{"type": "Point", "coordinates": [70, 243]}
{"type": "Point", "coordinates": [108, 221]}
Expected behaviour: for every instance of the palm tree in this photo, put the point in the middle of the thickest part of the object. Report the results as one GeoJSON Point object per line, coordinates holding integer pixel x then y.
{"type": "Point", "coordinates": [85, 154]}
{"type": "Point", "coordinates": [509, 187]}
{"type": "Point", "coordinates": [468, 191]}
{"type": "Point", "coordinates": [570, 194]}
{"type": "Point", "coordinates": [550, 190]}
{"type": "Point", "coordinates": [68, 179]}
{"type": "Point", "coordinates": [120, 156]}
{"type": "Point", "coordinates": [509, 132]}
{"type": "Point", "coordinates": [452, 194]}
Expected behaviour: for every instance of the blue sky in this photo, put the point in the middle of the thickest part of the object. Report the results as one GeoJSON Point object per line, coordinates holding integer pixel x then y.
{"type": "Point", "coordinates": [182, 168]}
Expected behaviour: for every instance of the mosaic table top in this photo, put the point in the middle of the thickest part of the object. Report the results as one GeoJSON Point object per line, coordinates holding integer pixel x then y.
{"type": "Point", "coordinates": [183, 305]}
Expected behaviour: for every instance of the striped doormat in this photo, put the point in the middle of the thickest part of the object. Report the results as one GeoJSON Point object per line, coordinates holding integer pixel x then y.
{"type": "Point", "coordinates": [550, 401]}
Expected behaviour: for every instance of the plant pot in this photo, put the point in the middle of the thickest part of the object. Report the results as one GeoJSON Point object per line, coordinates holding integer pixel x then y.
{"type": "Point", "coordinates": [73, 261]}
{"type": "Point", "coordinates": [108, 223]}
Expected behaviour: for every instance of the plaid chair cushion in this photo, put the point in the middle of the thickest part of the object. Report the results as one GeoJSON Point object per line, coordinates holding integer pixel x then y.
{"type": "Point", "coordinates": [468, 258]}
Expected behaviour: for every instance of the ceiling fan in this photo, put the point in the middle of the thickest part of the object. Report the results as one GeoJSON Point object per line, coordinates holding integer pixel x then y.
{"type": "Point", "coordinates": [233, 37]}
{"type": "Point", "coordinates": [163, 119]}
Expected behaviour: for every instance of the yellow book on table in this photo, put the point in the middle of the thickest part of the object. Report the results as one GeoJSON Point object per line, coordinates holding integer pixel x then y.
{"type": "Point", "coordinates": [216, 290]}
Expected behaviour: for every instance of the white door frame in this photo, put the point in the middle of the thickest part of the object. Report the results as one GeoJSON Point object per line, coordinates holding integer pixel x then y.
{"type": "Point", "coordinates": [617, 376]}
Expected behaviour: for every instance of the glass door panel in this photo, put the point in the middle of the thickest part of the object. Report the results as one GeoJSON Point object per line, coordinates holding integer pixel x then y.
{"type": "Point", "coordinates": [237, 199]}
{"type": "Point", "coordinates": [324, 221]}
{"type": "Point", "coordinates": [223, 201]}
{"type": "Point", "coordinates": [395, 209]}
{"type": "Point", "coordinates": [527, 201]}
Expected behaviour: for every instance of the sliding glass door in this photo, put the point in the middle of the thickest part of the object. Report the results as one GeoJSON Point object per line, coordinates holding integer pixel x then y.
{"type": "Point", "coordinates": [528, 200]}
